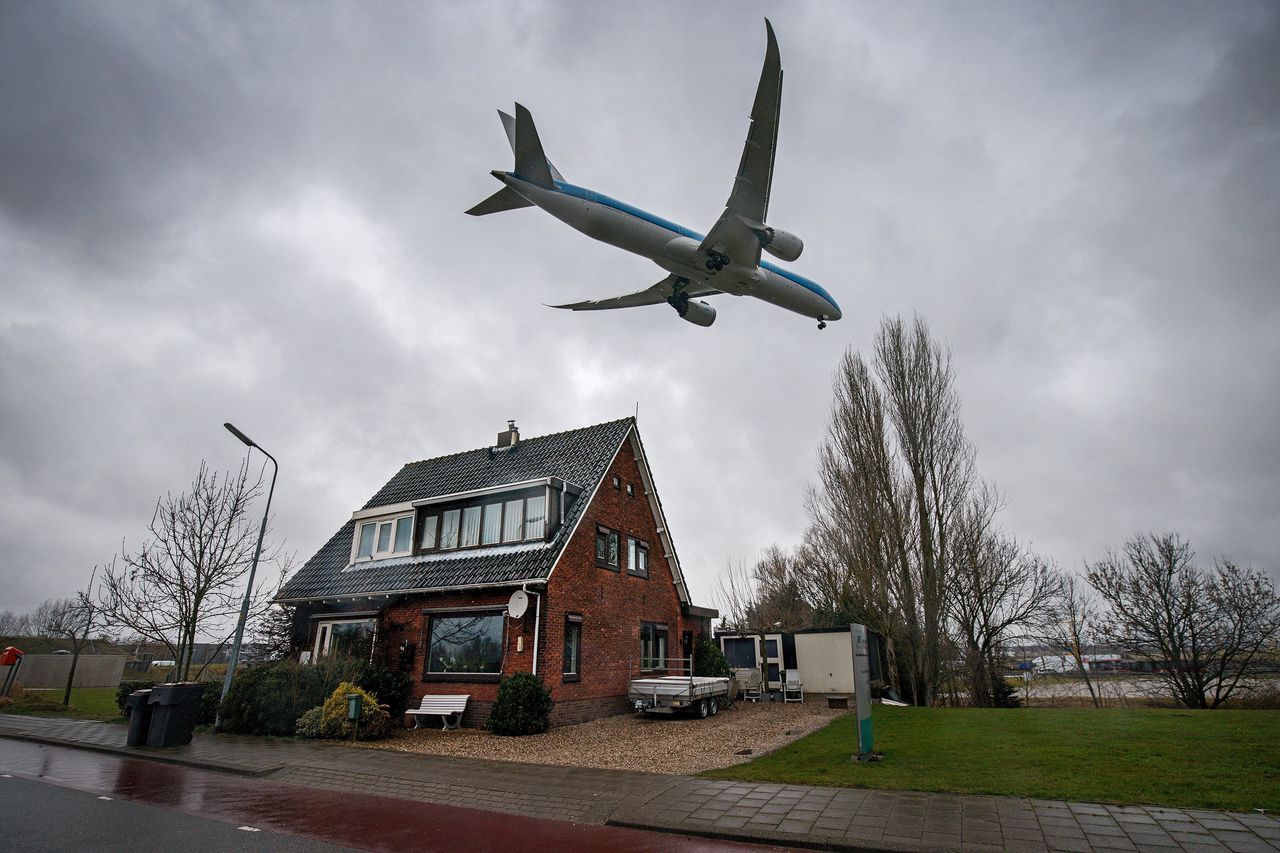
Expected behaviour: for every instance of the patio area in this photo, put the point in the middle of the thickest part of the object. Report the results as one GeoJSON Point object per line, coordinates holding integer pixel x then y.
{"type": "Point", "coordinates": [676, 744]}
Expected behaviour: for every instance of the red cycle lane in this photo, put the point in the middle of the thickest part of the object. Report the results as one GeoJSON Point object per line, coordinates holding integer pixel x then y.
{"type": "Point", "coordinates": [363, 821]}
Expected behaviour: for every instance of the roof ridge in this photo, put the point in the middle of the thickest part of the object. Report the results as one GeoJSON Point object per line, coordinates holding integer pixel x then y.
{"type": "Point", "coordinates": [522, 441]}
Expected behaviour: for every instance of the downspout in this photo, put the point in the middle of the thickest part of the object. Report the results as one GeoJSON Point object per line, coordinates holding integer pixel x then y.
{"type": "Point", "coordinates": [537, 618]}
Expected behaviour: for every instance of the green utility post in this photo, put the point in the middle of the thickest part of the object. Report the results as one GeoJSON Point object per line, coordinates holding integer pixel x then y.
{"type": "Point", "coordinates": [354, 700]}
{"type": "Point", "coordinates": [862, 689]}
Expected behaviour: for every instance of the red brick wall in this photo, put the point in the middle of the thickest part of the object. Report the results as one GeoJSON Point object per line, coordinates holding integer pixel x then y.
{"type": "Point", "coordinates": [612, 604]}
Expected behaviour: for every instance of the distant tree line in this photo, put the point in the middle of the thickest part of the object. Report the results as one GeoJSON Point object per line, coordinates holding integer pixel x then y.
{"type": "Point", "coordinates": [903, 536]}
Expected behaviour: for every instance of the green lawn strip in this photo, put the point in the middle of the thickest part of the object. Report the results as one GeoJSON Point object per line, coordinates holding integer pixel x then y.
{"type": "Point", "coordinates": [1189, 759]}
{"type": "Point", "coordinates": [87, 703]}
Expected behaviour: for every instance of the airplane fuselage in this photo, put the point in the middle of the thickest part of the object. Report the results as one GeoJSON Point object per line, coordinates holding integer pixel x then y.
{"type": "Point", "coordinates": [672, 247]}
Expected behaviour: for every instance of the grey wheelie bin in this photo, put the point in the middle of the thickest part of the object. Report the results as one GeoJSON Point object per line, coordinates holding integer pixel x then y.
{"type": "Point", "coordinates": [139, 718]}
{"type": "Point", "coordinates": [174, 710]}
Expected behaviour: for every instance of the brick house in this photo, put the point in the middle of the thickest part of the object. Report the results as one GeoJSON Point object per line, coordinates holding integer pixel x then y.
{"type": "Point", "coordinates": [420, 577]}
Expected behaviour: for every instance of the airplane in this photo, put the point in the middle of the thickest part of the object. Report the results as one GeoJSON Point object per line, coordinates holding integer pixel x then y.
{"type": "Point", "coordinates": [726, 260]}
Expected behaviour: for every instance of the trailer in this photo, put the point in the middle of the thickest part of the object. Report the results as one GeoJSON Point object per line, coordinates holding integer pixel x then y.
{"type": "Point", "coordinates": [702, 695]}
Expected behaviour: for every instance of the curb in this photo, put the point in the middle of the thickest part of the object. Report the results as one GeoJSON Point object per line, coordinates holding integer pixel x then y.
{"type": "Point", "coordinates": [781, 839]}
{"type": "Point", "coordinates": [132, 752]}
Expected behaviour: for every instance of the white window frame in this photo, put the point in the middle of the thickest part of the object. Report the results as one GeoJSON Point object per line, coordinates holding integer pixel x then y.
{"type": "Point", "coordinates": [324, 633]}
{"type": "Point", "coordinates": [377, 522]}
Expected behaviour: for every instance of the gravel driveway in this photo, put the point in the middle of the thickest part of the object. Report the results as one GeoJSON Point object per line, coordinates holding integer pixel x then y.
{"type": "Point", "coordinates": [629, 742]}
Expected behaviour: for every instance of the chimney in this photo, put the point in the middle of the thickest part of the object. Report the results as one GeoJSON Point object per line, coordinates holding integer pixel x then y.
{"type": "Point", "coordinates": [511, 437]}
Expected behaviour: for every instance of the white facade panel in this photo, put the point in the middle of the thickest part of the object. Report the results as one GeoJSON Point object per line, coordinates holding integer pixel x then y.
{"type": "Point", "coordinates": [825, 662]}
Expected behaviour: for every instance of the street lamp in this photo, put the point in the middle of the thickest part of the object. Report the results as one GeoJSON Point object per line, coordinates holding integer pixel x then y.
{"type": "Point", "coordinates": [248, 592]}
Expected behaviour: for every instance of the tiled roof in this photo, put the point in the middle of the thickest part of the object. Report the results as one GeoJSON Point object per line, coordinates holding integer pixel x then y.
{"type": "Point", "coordinates": [579, 456]}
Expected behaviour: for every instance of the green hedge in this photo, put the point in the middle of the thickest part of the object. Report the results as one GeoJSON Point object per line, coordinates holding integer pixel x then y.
{"type": "Point", "coordinates": [269, 699]}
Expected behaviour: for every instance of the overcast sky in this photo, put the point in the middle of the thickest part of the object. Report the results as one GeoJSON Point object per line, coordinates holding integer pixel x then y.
{"type": "Point", "coordinates": [254, 213]}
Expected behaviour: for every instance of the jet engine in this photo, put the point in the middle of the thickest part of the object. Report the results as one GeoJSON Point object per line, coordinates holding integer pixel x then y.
{"type": "Point", "coordinates": [780, 244]}
{"type": "Point", "coordinates": [698, 312]}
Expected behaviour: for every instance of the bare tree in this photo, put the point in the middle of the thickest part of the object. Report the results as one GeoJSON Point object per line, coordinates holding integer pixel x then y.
{"type": "Point", "coordinates": [1002, 592]}
{"type": "Point", "coordinates": [186, 580]}
{"type": "Point", "coordinates": [1071, 627]}
{"type": "Point", "coordinates": [1202, 629]}
{"type": "Point", "coordinates": [14, 624]}
{"type": "Point", "coordinates": [73, 619]}
{"type": "Point", "coordinates": [895, 474]}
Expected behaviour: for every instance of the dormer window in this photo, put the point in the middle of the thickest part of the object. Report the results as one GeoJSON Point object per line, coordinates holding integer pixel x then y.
{"type": "Point", "coordinates": [384, 538]}
{"type": "Point", "coordinates": [484, 521]}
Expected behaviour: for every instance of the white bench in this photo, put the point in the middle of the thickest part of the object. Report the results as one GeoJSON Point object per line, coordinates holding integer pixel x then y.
{"type": "Point", "coordinates": [444, 707]}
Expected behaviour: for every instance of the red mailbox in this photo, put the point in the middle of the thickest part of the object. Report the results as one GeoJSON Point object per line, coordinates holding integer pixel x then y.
{"type": "Point", "coordinates": [10, 656]}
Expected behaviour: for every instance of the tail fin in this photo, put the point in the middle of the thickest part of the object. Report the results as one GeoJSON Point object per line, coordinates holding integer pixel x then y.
{"type": "Point", "coordinates": [509, 124]}
{"type": "Point", "coordinates": [531, 163]}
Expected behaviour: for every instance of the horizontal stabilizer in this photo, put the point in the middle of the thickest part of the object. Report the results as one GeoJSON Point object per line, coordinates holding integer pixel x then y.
{"type": "Point", "coordinates": [504, 199]}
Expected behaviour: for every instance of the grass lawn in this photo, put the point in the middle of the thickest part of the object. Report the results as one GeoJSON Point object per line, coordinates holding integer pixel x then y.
{"type": "Point", "coordinates": [87, 703]}
{"type": "Point", "coordinates": [1190, 759]}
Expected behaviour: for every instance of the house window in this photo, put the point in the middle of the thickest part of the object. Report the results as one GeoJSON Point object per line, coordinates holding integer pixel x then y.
{"type": "Point", "coordinates": [653, 645]}
{"type": "Point", "coordinates": [449, 528]}
{"type": "Point", "coordinates": [428, 539]}
{"type": "Point", "coordinates": [617, 482]}
{"type": "Point", "coordinates": [740, 652]}
{"type": "Point", "coordinates": [470, 526]}
{"type": "Point", "coordinates": [492, 526]}
{"type": "Point", "coordinates": [513, 522]}
{"type": "Point", "coordinates": [606, 548]}
{"type": "Point", "coordinates": [385, 538]}
{"type": "Point", "coordinates": [350, 638]}
{"type": "Point", "coordinates": [572, 647]}
{"type": "Point", "coordinates": [465, 643]}
{"type": "Point", "coordinates": [631, 490]}
{"type": "Point", "coordinates": [637, 558]}
{"type": "Point", "coordinates": [535, 517]}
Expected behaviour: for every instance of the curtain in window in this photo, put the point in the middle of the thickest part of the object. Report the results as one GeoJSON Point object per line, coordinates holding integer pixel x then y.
{"type": "Point", "coordinates": [428, 538]}
{"type": "Point", "coordinates": [535, 521]}
{"type": "Point", "coordinates": [384, 537]}
{"type": "Point", "coordinates": [404, 533]}
{"type": "Point", "coordinates": [492, 524]}
{"type": "Point", "coordinates": [449, 528]}
{"type": "Point", "coordinates": [471, 526]}
{"type": "Point", "coordinates": [513, 525]}
{"type": "Point", "coordinates": [367, 532]}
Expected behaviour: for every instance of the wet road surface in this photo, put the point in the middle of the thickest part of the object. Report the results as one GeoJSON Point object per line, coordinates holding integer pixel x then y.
{"type": "Point", "coordinates": [365, 822]}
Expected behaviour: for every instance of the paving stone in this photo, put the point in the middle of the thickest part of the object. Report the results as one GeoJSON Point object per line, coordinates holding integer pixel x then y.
{"type": "Point", "coordinates": [1109, 842]}
{"type": "Point", "coordinates": [980, 836]}
{"type": "Point", "coordinates": [1016, 834]}
{"type": "Point", "coordinates": [799, 827]}
{"type": "Point", "coordinates": [1067, 843]}
{"type": "Point", "coordinates": [940, 839]}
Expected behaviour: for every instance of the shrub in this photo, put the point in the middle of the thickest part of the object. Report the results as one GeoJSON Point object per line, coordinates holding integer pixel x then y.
{"type": "Point", "coordinates": [390, 687]}
{"type": "Point", "coordinates": [523, 706]}
{"type": "Point", "coordinates": [123, 691]}
{"type": "Point", "coordinates": [708, 659]}
{"type": "Point", "coordinates": [1004, 694]}
{"type": "Point", "coordinates": [330, 719]}
{"type": "Point", "coordinates": [268, 699]}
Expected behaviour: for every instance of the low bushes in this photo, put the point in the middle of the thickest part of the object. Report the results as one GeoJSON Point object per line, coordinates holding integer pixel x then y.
{"type": "Point", "coordinates": [330, 719]}
{"type": "Point", "coordinates": [708, 660]}
{"type": "Point", "coordinates": [270, 699]}
{"type": "Point", "coordinates": [523, 706]}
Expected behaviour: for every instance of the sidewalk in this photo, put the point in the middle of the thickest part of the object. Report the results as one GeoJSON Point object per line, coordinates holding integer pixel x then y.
{"type": "Point", "coordinates": [792, 815]}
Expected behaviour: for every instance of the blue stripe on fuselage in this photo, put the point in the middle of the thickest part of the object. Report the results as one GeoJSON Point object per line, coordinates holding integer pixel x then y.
{"type": "Point", "coordinates": [591, 195]}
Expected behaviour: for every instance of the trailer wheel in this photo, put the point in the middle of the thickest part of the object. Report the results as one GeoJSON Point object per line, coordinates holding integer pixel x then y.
{"type": "Point", "coordinates": [701, 708]}
{"type": "Point", "coordinates": [713, 706]}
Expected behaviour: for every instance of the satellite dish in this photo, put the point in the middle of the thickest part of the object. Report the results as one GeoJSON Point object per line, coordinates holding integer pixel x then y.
{"type": "Point", "coordinates": [517, 604]}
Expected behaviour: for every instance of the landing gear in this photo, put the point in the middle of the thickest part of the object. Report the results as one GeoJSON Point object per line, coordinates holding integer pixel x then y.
{"type": "Point", "coordinates": [821, 325]}
{"type": "Point", "coordinates": [678, 299]}
{"type": "Point", "coordinates": [717, 261]}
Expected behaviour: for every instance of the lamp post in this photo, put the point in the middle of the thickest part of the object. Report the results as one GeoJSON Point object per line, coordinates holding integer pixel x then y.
{"type": "Point", "coordinates": [253, 569]}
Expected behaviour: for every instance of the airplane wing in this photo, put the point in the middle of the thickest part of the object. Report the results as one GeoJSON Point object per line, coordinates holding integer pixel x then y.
{"type": "Point", "coordinates": [655, 295]}
{"type": "Point", "coordinates": [744, 214]}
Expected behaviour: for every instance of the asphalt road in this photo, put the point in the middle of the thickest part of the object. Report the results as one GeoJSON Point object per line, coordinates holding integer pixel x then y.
{"type": "Point", "coordinates": [57, 799]}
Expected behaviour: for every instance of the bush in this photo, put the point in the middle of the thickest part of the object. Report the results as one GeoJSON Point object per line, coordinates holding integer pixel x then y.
{"type": "Point", "coordinates": [390, 687]}
{"type": "Point", "coordinates": [523, 706]}
{"type": "Point", "coordinates": [268, 699]}
{"type": "Point", "coordinates": [330, 719]}
{"type": "Point", "coordinates": [708, 659]}
{"type": "Point", "coordinates": [123, 691]}
{"type": "Point", "coordinates": [1004, 694]}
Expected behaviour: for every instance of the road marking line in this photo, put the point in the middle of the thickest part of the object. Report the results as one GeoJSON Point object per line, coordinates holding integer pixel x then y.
{"type": "Point", "coordinates": [249, 828]}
